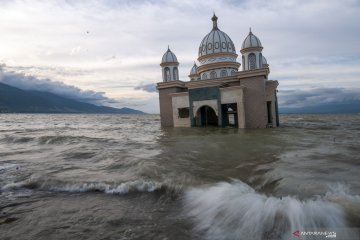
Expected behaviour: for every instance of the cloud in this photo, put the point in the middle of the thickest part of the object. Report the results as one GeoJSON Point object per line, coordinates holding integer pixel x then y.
{"type": "Point", "coordinates": [28, 82]}
{"type": "Point", "coordinates": [317, 96]}
{"type": "Point", "coordinates": [77, 50]}
{"type": "Point", "coordinates": [308, 44]}
{"type": "Point", "coordinates": [151, 87]}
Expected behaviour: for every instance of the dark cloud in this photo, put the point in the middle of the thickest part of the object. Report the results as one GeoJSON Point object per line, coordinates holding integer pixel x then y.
{"type": "Point", "coordinates": [61, 71]}
{"type": "Point", "coordinates": [317, 96]}
{"type": "Point", "coordinates": [27, 82]}
{"type": "Point", "coordinates": [151, 87]}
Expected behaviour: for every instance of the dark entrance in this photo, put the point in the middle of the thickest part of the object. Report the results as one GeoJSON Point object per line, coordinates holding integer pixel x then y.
{"type": "Point", "coordinates": [229, 114]}
{"type": "Point", "coordinates": [269, 115]}
{"type": "Point", "coordinates": [206, 116]}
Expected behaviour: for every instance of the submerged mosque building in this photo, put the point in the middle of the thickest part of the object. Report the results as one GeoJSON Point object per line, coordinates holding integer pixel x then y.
{"type": "Point", "coordinates": [218, 92]}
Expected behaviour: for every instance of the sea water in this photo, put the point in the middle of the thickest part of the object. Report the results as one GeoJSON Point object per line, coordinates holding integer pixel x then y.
{"type": "Point", "coordinates": [69, 176]}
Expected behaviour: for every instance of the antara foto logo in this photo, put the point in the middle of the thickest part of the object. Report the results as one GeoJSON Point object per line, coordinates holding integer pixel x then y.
{"type": "Point", "coordinates": [296, 233]}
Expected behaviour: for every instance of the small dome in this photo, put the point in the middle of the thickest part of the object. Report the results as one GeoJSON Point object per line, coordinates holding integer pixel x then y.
{"type": "Point", "coordinates": [251, 41]}
{"type": "Point", "coordinates": [169, 57]}
{"type": "Point", "coordinates": [264, 60]}
{"type": "Point", "coordinates": [216, 41]}
{"type": "Point", "coordinates": [194, 70]}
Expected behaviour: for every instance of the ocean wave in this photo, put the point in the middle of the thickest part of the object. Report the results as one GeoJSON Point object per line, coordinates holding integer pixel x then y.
{"type": "Point", "coordinates": [8, 166]}
{"type": "Point", "coordinates": [16, 139]}
{"type": "Point", "coordinates": [109, 188]}
{"type": "Point", "coordinates": [49, 139]}
{"type": "Point", "coordinates": [236, 211]}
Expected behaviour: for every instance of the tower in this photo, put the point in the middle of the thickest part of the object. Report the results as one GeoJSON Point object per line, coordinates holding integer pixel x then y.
{"type": "Point", "coordinates": [251, 53]}
{"type": "Point", "coordinates": [169, 65]}
{"type": "Point", "coordinates": [194, 73]}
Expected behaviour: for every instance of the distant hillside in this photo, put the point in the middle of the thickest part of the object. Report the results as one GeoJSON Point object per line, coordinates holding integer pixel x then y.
{"type": "Point", "coordinates": [347, 107]}
{"type": "Point", "coordinates": [15, 100]}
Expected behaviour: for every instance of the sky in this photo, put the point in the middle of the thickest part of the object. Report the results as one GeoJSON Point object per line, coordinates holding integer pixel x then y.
{"type": "Point", "coordinates": [108, 52]}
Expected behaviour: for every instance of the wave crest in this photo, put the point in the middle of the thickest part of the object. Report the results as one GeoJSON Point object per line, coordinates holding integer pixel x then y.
{"type": "Point", "coordinates": [236, 211]}
{"type": "Point", "coordinates": [110, 188]}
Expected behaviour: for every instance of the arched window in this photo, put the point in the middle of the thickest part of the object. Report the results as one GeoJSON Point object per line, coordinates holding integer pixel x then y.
{"type": "Point", "coordinates": [260, 60]}
{"type": "Point", "coordinates": [167, 76]}
{"type": "Point", "coordinates": [223, 73]}
{"type": "Point", "coordinates": [232, 72]}
{"type": "Point", "coordinates": [252, 61]}
{"type": "Point", "coordinates": [176, 75]}
{"type": "Point", "coordinates": [243, 62]}
{"type": "Point", "coordinates": [213, 75]}
{"type": "Point", "coordinates": [204, 76]}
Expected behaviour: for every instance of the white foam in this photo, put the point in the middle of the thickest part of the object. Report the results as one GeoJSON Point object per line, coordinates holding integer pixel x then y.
{"type": "Point", "coordinates": [236, 211]}
{"type": "Point", "coordinates": [7, 166]}
{"type": "Point", "coordinates": [122, 188]}
{"type": "Point", "coordinates": [110, 188]}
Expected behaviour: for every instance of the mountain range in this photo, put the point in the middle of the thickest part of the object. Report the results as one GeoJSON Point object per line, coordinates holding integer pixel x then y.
{"type": "Point", "coordinates": [15, 100]}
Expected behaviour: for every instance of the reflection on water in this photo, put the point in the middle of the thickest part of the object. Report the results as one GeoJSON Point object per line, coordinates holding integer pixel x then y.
{"type": "Point", "coordinates": [123, 177]}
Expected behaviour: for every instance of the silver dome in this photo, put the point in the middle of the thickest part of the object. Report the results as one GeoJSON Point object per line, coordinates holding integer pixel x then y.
{"type": "Point", "coordinates": [216, 41]}
{"type": "Point", "coordinates": [264, 60]}
{"type": "Point", "coordinates": [193, 70]}
{"type": "Point", "coordinates": [169, 57]}
{"type": "Point", "coordinates": [251, 41]}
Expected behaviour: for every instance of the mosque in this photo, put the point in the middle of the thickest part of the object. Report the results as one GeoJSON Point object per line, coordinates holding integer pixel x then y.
{"type": "Point", "coordinates": [218, 93]}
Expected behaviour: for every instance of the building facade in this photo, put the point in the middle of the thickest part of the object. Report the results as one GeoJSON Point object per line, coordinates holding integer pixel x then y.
{"type": "Point", "coordinates": [219, 92]}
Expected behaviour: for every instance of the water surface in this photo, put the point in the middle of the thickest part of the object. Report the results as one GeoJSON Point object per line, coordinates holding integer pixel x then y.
{"type": "Point", "coordinates": [124, 177]}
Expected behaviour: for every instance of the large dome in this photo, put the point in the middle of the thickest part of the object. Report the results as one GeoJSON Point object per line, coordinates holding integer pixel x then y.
{"type": "Point", "coordinates": [169, 57]}
{"type": "Point", "coordinates": [251, 41]}
{"type": "Point", "coordinates": [216, 41]}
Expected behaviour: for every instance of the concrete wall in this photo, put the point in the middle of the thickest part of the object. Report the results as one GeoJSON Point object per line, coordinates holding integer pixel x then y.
{"type": "Point", "coordinates": [166, 112]}
{"type": "Point", "coordinates": [255, 102]}
{"type": "Point", "coordinates": [180, 101]}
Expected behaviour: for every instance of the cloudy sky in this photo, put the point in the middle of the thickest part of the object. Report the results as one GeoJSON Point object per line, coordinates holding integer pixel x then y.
{"type": "Point", "coordinates": [108, 52]}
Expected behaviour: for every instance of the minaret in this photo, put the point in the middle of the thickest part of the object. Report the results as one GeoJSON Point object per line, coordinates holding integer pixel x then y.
{"type": "Point", "coordinates": [169, 65]}
{"type": "Point", "coordinates": [251, 53]}
{"type": "Point", "coordinates": [193, 73]}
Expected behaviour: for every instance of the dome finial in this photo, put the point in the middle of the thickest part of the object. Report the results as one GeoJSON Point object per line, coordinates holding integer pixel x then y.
{"type": "Point", "coordinates": [168, 47]}
{"type": "Point", "coordinates": [250, 31]}
{"type": "Point", "coordinates": [214, 19]}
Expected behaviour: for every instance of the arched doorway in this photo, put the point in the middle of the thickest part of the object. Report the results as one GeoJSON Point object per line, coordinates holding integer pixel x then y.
{"type": "Point", "coordinates": [206, 116]}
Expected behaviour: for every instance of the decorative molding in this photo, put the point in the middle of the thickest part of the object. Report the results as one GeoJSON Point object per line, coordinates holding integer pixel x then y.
{"type": "Point", "coordinates": [251, 49]}
{"type": "Point", "coordinates": [217, 65]}
{"type": "Point", "coordinates": [252, 73]}
{"type": "Point", "coordinates": [168, 64]}
{"type": "Point", "coordinates": [219, 54]}
{"type": "Point", "coordinates": [170, 84]}
{"type": "Point", "coordinates": [210, 82]}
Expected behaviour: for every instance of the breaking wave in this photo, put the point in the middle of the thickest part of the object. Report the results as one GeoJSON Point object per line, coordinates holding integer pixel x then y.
{"type": "Point", "coordinates": [109, 188]}
{"type": "Point", "coordinates": [236, 211]}
{"type": "Point", "coordinates": [7, 166]}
